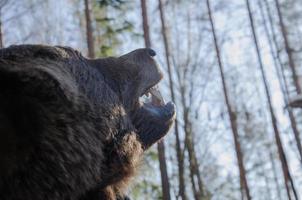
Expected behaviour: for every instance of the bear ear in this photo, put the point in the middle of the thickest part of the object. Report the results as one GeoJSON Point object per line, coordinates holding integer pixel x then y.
{"type": "Point", "coordinates": [32, 83]}
{"type": "Point", "coordinates": [22, 93]}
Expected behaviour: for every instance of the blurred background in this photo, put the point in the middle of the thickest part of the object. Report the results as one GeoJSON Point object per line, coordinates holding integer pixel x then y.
{"type": "Point", "coordinates": [232, 67]}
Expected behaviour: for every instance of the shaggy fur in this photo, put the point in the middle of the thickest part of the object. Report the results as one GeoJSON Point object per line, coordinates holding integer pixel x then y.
{"type": "Point", "coordinates": [67, 128]}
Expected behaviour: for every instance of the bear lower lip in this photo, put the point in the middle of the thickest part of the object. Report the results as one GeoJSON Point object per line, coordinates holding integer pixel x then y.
{"type": "Point", "coordinates": [170, 109]}
{"type": "Point", "coordinates": [156, 105]}
{"type": "Point", "coordinates": [153, 122]}
{"type": "Point", "coordinates": [163, 112]}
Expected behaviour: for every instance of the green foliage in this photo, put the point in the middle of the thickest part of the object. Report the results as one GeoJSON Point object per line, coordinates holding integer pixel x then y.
{"type": "Point", "coordinates": [147, 185]}
{"type": "Point", "coordinates": [146, 189]}
{"type": "Point", "coordinates": [110, 25]}
{"type": "Point", "coordinates": [114, 3]}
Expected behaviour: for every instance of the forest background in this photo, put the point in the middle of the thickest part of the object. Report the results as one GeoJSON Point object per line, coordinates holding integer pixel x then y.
{"type": "Point", "coordinates": [232, 67]}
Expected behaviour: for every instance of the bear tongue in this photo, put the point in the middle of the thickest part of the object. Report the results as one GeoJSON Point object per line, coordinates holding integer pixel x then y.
{"type": "Point", "coordinates": [157, 98]}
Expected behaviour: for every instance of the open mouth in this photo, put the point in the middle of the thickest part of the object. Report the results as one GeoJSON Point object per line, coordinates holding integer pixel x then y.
{"type": "Point", "coordinates": [154, 117]}
{"type": "Point", "coordinates": [151, 116]}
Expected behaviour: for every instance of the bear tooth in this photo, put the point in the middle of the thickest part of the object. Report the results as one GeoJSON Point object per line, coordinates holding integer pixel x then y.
{"type": "Point", "coordinates": [157, 96]}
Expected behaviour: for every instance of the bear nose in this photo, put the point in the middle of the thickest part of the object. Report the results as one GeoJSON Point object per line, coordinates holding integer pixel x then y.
{"type": "Point", "coordinates": [151, 52]}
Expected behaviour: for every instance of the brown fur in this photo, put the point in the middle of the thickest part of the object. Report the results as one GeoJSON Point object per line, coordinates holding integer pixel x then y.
{"type": "Point", "coordinates": [71, 127]}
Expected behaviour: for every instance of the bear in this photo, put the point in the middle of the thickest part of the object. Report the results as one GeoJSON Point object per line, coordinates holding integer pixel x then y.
{"type": "Point", "coordinates": [75, 128]}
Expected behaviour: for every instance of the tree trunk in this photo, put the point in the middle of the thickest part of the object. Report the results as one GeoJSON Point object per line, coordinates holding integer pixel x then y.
{"type": "Point", "coordinates": [180, 156]}
{"type": "Point", "coordinates": [160, 145]}
{"type": "Point", "coordinates": [232, 115]}
{"type": "Point", "coordinates": [288, 50]}
{"type": "Point", "coordinates": [281, 76]}
{"type": "Point", "coordinates": [195, 176]}
{"type": "Point", "coordinates": [89, 30]}
{"type": "Point", "coordinates": [163, 170]}
{"type": "Point", "coordinates": [272, 161]}
{"type": "Point", "coordinates": [145, 24]}
{"type": "Point", "coordinates": [287, 177]}
{"type": "Point", "coordinates": [191, 152]}
{"type": "Point", "coordinates": [194, 165]}
{"type": "Point", "coordinates": [1, 34]}
{"type": "Point", "coordinates": [263, 171]}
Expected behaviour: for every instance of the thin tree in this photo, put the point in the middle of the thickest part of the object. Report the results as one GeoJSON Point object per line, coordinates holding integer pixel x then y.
{"type": "Point", "coordinates": [189, 146]}
{"type": "Point", "coordinates": [195, 176]}
{"type": "Point", "coordinates": [161, 145]}
{"type": "Point", "coordinates": [179, 154]}
{"type": "Point", "coordinates": [1, 36]}
{"type": "Point", "coordinates": [244, 188]}
{"type": "Point", "coordinates": [145, 24]}
{"type": "Point", "coordinates": [273, 164]}
{"type": "Point", "coordinates": [89, 30]}
{"type": "Point", "coordinates": [2, 4]}
{"type": "Point", "coordinates": [263, 172]}
{"type": "Point", "coordinates": [286, 173]}
{"type": "Point", "coordinates": [183, 76]}
{"type": "Point", "coordinates": [288, 49]}
{"type": "Point", "coordinates": [281, 77]}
